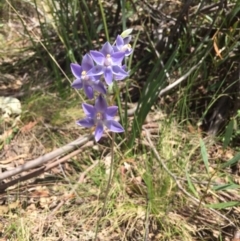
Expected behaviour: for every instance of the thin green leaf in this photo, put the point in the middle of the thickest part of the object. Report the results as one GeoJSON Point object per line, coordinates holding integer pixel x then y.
{"type": "Point", "coordinates": [235, 11]}
{"type": "Point", "coordinates": [228, 186]}
{"type": "Point", "coordinates": [191, 186]}
{"type": "Point", "coordinates": [204, 155]}
{"type": "Point", "coordinates": [223, 205]}
{"type": "Point", "coordinates": [232, 162]}
{"type": "Point", "coordinates": [228, 134]}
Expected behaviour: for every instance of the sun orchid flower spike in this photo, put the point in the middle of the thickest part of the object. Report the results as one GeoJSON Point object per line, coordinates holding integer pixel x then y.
{"type": "Point", "coordinates": [99, 116]}
{"type": "Point", "coordinates": [109, 63]}
{"type": "Point", "coordinates": [83, 80]}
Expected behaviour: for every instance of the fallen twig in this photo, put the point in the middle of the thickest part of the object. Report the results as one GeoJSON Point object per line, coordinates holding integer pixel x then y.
{"type": "Point", "coordinates": [42, 169]}
{"type": "Point", "coordinates": [49, 156]}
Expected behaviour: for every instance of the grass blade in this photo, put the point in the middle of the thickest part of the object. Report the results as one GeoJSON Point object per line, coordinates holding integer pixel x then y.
{"type": "Point", "coordinates": [223, 205]}
{"type": "Point", "coordinates": [232, 162]}
{"type": "Point", "coordinates": [204, 155]}
{"type": "Point", "coordinates": [228, 134]}
{"type": "Point", "coordinates": [151, 91]}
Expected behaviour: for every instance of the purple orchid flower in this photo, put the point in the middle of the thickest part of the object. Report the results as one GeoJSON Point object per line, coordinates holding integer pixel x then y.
{"type": "Point", "coordinates": [108, 63]}
{"type": "Point", "coordinates": [83, 80]}
{"type": "Point", "coordinates": [122, 44]}
{"type": "Point", "coordinates": [100, 115]}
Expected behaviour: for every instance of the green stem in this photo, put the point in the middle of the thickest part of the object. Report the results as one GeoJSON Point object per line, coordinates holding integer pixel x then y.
{"type": "Point", "coordinates": [123, 15]}
{"type": "Point", "coordinates": [104, 19]}
{"type": "Point", "coordinates": [108, 186]}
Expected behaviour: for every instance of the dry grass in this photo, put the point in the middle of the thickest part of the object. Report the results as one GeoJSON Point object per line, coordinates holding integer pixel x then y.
{"type": "Point", "coordinates": [144, 202]}
{"type": "Point", "coordinates": [143, 199]}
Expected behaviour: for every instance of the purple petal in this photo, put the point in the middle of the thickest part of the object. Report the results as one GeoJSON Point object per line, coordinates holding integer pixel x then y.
{"type": "Point", "coordinates": [76, 70]}
{"type": "Point", "coordinates": [115, 49]}
{"type": "Point", "coordinates": [107, 49]}
{"type": "Point", "coordinates": [86, 122]}
{"type": "Point", "coordinates": [114, 126]}
{"type": "Point", "coordinates": [111, 112]}
{"type": "Point", "coordinates": [99, 86]}
{"type": "Point", "coordinates": [96, 71]}
{"type": "Point", "coordinates": [98, 132]}
{"type": "Point", "coordinates": [127, 39]}
{"type": "Point", "coordinates": [119, 73]}
{"type": "Point", "coordinates": [119, 42]}
{"type": "Point", "coordinates": [95, 78]}
{"type": "Point", "coordinates": [98, 57]}
{"type": "Point", "coordinates": [124, 67]}
{"type": "Point", "coordinates": [108, 75]}
{"type": "Point", "coordinates": [128, 52]}
{"type": "Point", "coordinates": [117, 58]}
{"type": "Point", "coordinates": [88, 91]}
{"type": "Point", "coordinates": [77, 84]}
{"type": "Point", "coordinates": [89, 110]}
{"type": "Point", "coordinates": [100, 104]}
{"type": "Point", "coordinates": [87, 62]}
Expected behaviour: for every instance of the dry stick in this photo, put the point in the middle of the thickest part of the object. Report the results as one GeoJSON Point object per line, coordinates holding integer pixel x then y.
{"type": "Point", "coordinates": [46, 158]}
{"type": "Point", "coordinates": [178, 183]}
{"type": "Point", "coordinates": [43, 159]}
{"type": "Point", "coordinates": [30, 175]}
{"type": "Point", "coordinates": [41, 170]}
{"type": "Point", "coordinates": [181, 79]}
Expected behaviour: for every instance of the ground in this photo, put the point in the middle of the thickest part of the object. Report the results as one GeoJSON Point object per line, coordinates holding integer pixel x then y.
{"type": "Point", "coordinates": [177, 182]}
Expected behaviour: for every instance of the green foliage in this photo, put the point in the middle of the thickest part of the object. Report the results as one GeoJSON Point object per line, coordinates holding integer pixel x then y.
{"type": "Point", "coordinates": [156, 80]}
{"type": "Point", "coordinates": [232, 162]}
{"type": "Point", "coordinates": [224, 205]}
{"type": "Point", "coordinates": [228, 134]}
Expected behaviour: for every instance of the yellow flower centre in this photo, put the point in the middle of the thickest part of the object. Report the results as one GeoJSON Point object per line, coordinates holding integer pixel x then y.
{"type": "Point", "coordinates": [99, 116]}
{"type": "Point", "coordinates": [126, 47]}
{"type": "Point", "coordinates": [108, 60]}
{"type": "Point", "coordinates": [84, 76]}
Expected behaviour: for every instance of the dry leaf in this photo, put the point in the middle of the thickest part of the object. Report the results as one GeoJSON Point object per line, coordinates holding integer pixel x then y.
{"type": "Point", "coordinates": [28, 126]}
{"type": "Point", "coordinates": [14, 205]}
{"type": "Point", "coordinates": [3, 209]}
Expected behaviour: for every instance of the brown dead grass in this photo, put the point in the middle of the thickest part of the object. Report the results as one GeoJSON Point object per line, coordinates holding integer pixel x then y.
{"type": "Point", "coordinates": [30, 210]}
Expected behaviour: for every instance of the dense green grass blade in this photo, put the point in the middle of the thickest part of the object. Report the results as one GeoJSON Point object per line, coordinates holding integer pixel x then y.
{"type": "Point", "coordinates": [150, 93]}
